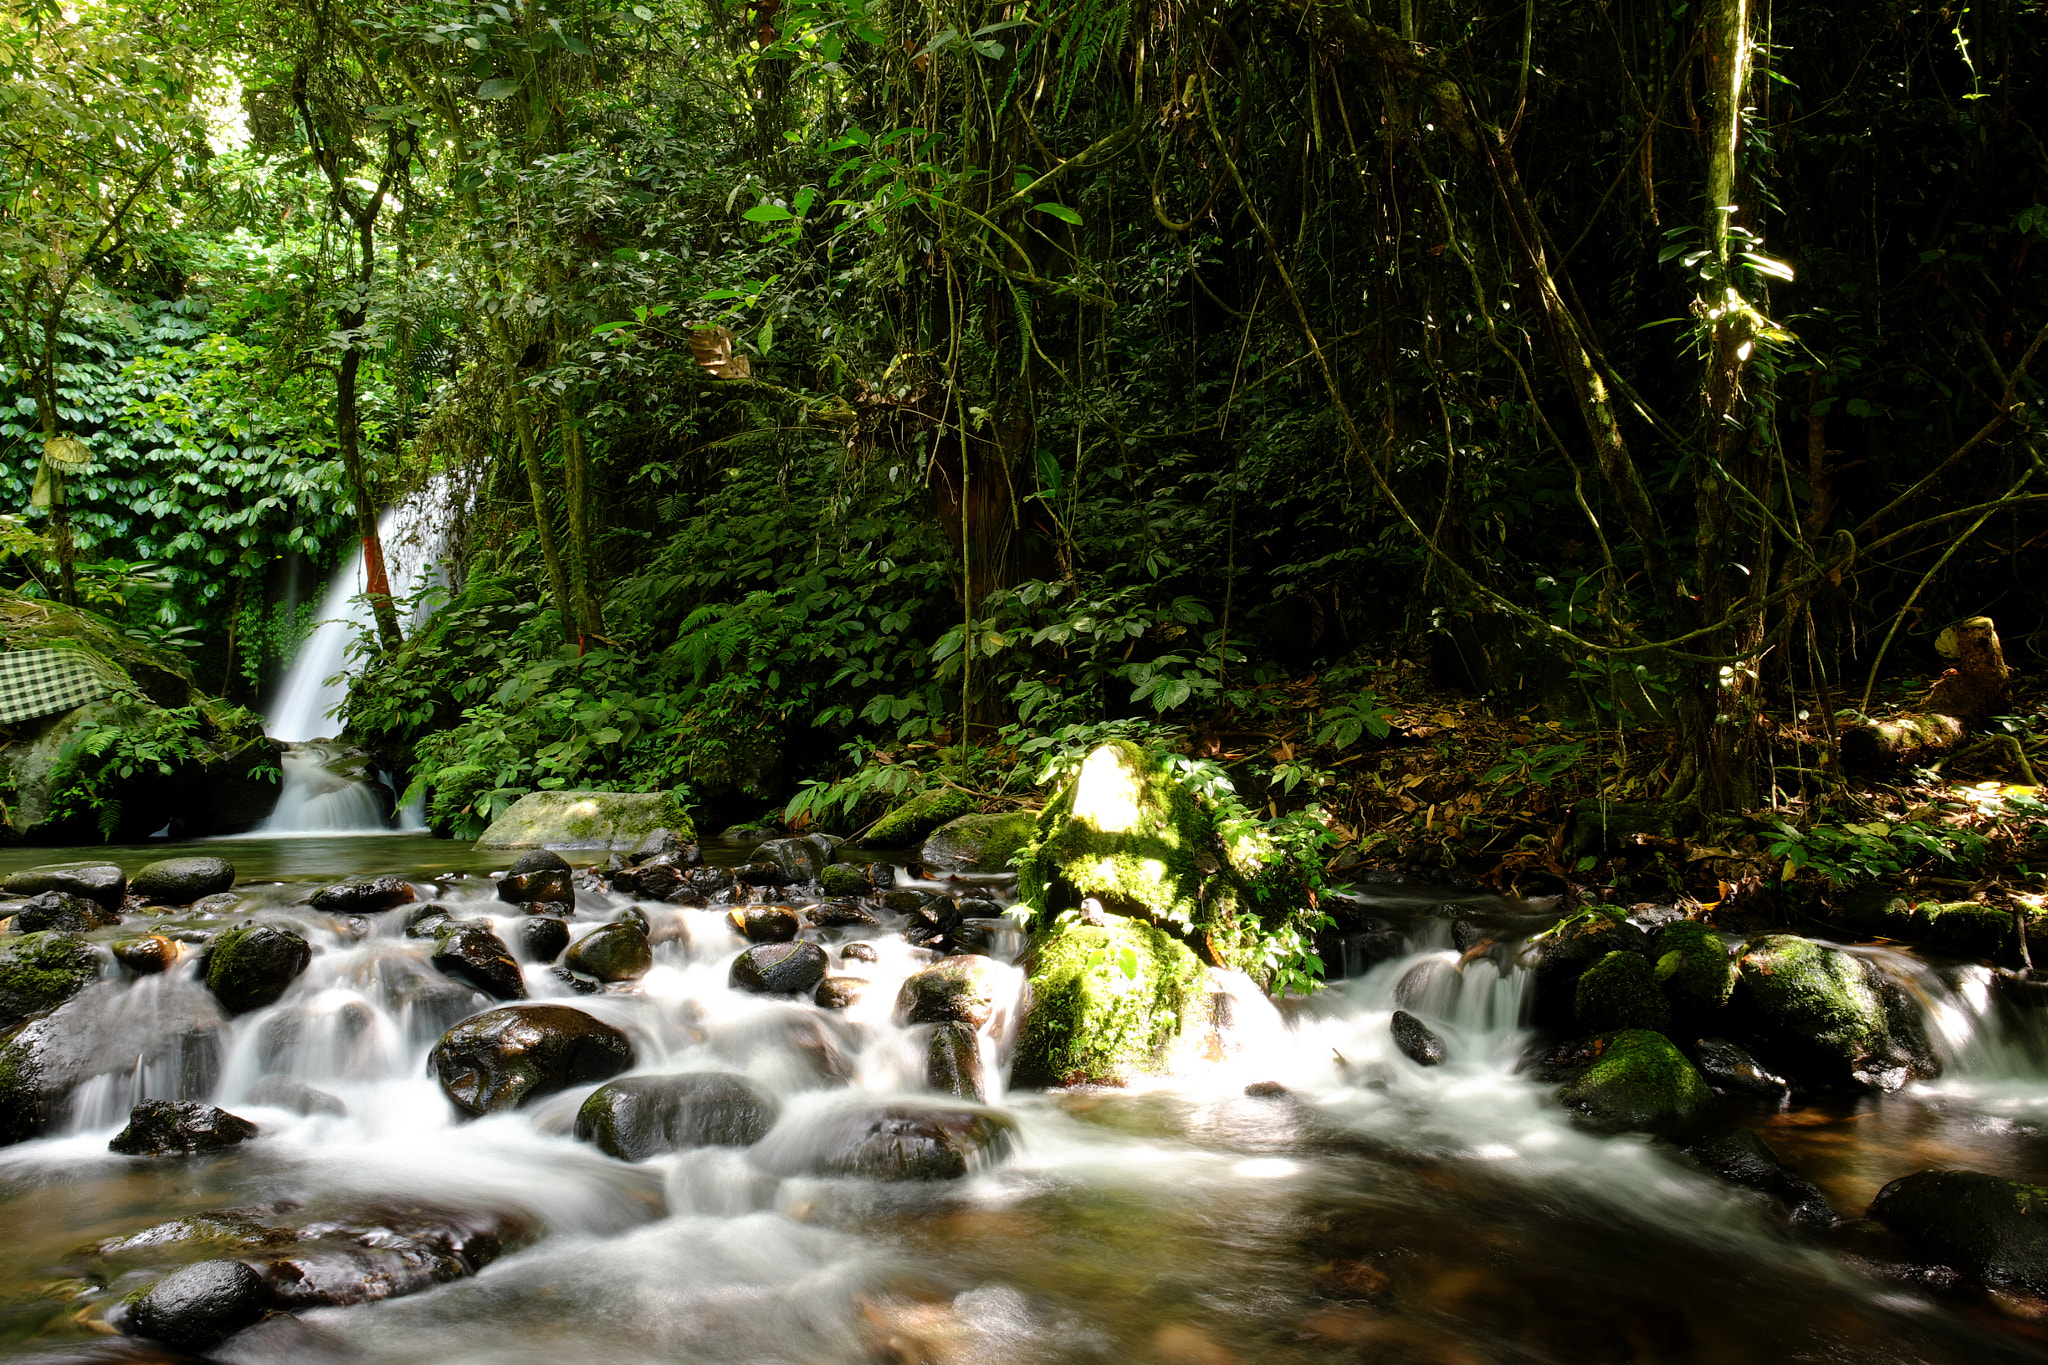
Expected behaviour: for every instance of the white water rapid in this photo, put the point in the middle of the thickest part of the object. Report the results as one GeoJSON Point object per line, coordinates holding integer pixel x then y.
{"type": "Point", "coordinates": [1353, 1206]}
{"type": "Point", "coordinates": [312, 800]}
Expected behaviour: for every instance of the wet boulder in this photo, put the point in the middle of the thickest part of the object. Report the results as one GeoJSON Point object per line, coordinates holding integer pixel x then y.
{"type": "Point", "coordinates": [40, 971]}
{"type": "Point", "coordinates": [180, 881]}
{"type": "Point", "coordinates": [1731, 1072]}
{"type": "Point", "coordinates": [544, 936]}
{"type": "Point", "coordinates": [282, 1092]}
{"type": "Point", "coordinates": [655, 881]}
{"type": "Point", "coordinates": [1417, 1041]}
{"type": "Point", "coordinates": [1993, 1231]}
{"type": "Point", "coordinates": [638, 1117]}
{"type": "Point", "coordinates": [502, 1058]}
{"type": "Point", "coordinates": [765, 923]}
{"type": "Point", "coordinates": [858, 952]}
{"type": "Point", "coordinates": [43, 1061]}
{"type": "Point", "coordinates": [840, 992]}
{"type": "Point", "coordinates": [955, 989]}
{"type": "Point", "coordinates": [1694, 969]}
{"type": "Point", "coordinates": [842, 914]}
{"type": "Point", "coordinates": [147, 955]}
{"type": "Point", "coordinates": [764, 875]}
{"type": "Point", "coordinates": [538, 875]}
{"type": "Point", "coordinates": [427, 921]}
{"type": "Point", "coordinates": [62, 912]}
{"type": "Point", "coordinates": [952, 1064]}
{"type": "Point", "coordinates": [364, 896]}
{"type": "Point", "coordinates": [250, 966]}
{"type": "Point", "coordinates": [706, 882]}
{"type": "Point", "coordinates": [1745, 1160]}
{"type": "Point", "coordinates": [779, 968]}
{"type": "Point", "coordinates": [104, 884]}
{"type": "Point", "coordinates": [1815, 1014]}
{"type": "Point", "coordinates": [979, 843]}
{"type": "Point", "coordinates": [800, 860]}
{"type": "Point", "coordinates": [893, 1142]}
{"type": "Point", "coordinates": [198, 1306]}
{"type": "Point", "coordinates": [1620, 992]}
{"type": "Point", "coordinates": [1106, 1002]}
{"type": "Point", "coordinates": [179, 1128]}
{"type": "Point", "coordinates": [1636, 1080]}
{"type": "Point", "coordinates": [1969, 928]}
{"type": "Point", "coordinates": [846, 879]}
{"type": "Point", "coordinates": [909, 821]}
{"type": "Point", "coordinates": [666, 843]}
{"type": "Point", "coordinates": [467, 951]}
{"type": "Point", "coordinates": [586, 819]}
{"type": "Point", "coordinates": [1562, 955]}
{"type": "Point", "coordinates": [611, 952]}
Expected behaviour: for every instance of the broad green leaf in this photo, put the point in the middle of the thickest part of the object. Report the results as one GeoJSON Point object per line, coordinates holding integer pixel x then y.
{"type": "Point", "coordinates": [497, 88]}
{"type": "Point", "coordinates": [767, 213]}
{"type": "Point", "coordinates": [1059, 211]}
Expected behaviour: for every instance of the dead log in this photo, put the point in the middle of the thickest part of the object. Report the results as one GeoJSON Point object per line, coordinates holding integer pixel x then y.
{"type": "Point", "coordinates": [1964, 696]}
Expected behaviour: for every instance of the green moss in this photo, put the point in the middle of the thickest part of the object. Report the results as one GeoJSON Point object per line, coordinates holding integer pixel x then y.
{"type": "Point", "coordinates": [1961, 926]}
{"type": "Point", "coordinates": [980, 843]}
{"type": "Point", "coordinates": [1122, 832]}
{"type": "Point", "coordinates": [844, 879]}
{"type": "Point", "coordinates": [586, 819]}
{"type": "Point", "coordinates": [1091, 1020]}
{"type": "Point", "coordinates": [1695, 969]}
{"type": "Point", "coordinates": [911, 820]}
{"type": "Point", "coordinates": [1813, 999]}
{"type": "Point", "coordinates": [21, 1091]}
{"type": "Point", "coordinates": [41, 971]}
{"type": "Point", "coordinates": [1639, 1081]}
{"type": "Point", "coordinates": [1620, 992]}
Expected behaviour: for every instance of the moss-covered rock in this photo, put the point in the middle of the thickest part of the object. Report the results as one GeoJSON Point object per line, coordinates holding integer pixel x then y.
{"type": "Point", "coordinates": [1695, 969]}
{"type": "Point", "coordinates": [1968, 927]}
{"type": "Point", "coordinates": [1562, 955]}
{"type": "Point", "coordinates": [846, 879]}
{"type": "Point", "coordinates": [250, 967]}
{"type": "Point", "coordinates": [909, 821]}
{"type": "Point", "coordinates": [1620, 992]}
{"type": "Point", "coordinates": [40, 972]}
{"type": "Point", "coordinates": [1995, 1231]}
{"type": "Point", "coordinates": [1106, 1002]}
{"type": "Point", "coordinates": [1123, 833]}
{"type": "Point", "coordinates": [1813, 1013]}
{"type": "Point", "coordinates": [602, 820]}
{"type": "Point", "coordinates": [979, 843]}
{"type": "Point", "coordinates": [1637, 1080]}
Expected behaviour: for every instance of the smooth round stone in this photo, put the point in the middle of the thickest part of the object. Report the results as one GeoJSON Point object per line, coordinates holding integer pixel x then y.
{"type": "Point", "coordinates": [611, 952]}
{"type": "Point", "coordinates": [779, 968]}
{"type": "Point", "coordinates": [643, 1116]}
{"type": "Point", "coordinates": [502, 1058]}
{"type": "Point", "coordinates": [250, 967]}
{"type": "Point", "coordinates": [545, 937]}
{"type": "Point", "coordinates": [196, 1307]}
{"type": "Point", "coordinates": [180, 881]}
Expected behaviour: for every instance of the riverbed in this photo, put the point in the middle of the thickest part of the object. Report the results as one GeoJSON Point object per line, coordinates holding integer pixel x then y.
{"type": "Point", "coordinates": [1356, 1207]}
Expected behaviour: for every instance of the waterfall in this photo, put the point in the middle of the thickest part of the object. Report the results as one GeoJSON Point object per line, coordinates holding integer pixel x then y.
{"type": "Point", "coordinates": [313, 799]}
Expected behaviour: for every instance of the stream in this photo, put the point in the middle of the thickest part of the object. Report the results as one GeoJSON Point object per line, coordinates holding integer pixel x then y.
{"type": "Point", "coordinates": [1370, 1210]}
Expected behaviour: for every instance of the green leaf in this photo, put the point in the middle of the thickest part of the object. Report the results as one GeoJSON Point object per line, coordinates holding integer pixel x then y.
{"type": "Point", "coordinates": [496, 89]}
{"type": "Point", "coordinates": [1059, 211]}
{"type": "Point", "coordinates": [768, 213]}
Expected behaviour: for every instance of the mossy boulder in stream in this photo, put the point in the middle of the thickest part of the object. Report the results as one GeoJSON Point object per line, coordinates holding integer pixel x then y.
{"type": "Point", "coordinates": [1815, 1015]}
{"type": "Point", "coordinates": [911, 820]}
{"type": "Point", "coordinates": [979, 843]}
{"type": "Point", "coordinates": [40, 972]}
{"type": "Point", "coordinates": [601, 820]}
{"type": "Point", "coordinates": [1694, 968]}
{"type": "Point", "coordinates": [1620, 992]}
{"type": "Point", "coordinates": [1637, 1080]}
{"type": "Point", "coordinates": [1994, 1231]}
{"type": "Point", "coordinates": [1966, 927]}
{"type": "Point", "coordinates": [1564, 952]}
{"type": "Point", "coordinates": [250, 967]}
{"type": "Point", "coordinates": [1106, 1002]}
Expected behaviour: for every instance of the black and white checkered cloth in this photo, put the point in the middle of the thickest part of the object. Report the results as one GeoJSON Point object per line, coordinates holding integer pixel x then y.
{"type": "Point", "coordinates": [42, 682]}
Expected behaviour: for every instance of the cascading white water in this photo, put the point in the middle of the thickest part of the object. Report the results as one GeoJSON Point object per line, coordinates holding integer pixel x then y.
{"type": "Point", "coordinates": [311, 800]}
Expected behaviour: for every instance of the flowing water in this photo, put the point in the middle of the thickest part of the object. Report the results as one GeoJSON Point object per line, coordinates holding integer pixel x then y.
{"type": "Point", "coordinates": [1376, 1211]}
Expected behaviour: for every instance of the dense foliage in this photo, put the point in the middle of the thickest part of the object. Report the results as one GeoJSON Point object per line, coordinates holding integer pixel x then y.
{"type": "Point", "coordinates": [843, 399]}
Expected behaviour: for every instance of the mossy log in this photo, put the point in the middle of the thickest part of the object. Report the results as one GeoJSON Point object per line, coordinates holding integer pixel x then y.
{"type": "Point", "coordinates": [1965, 696]}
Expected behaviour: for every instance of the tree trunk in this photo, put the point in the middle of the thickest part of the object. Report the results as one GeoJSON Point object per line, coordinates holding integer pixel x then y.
{"type": "Point", "coordinates": [348, 431]}
{"type": "Point", "coordinates": [582, 564]}
{"type": "Point", "coordinates": [537, 490]}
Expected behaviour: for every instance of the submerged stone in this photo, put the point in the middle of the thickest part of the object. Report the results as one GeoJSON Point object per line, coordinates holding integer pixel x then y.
{"type": "Point", "coordinates": [896, 1142]}
{"type": "Point", "coordinates": [1740, 1157]}
{"type": "Point", "coordinates": [251, 966]}
{"type": "Point", "coordinates": [1106, 1002]}
{"type": "Point", "coordinates": [1731, 1071]}
{"type": "Point", "coordinates": [503, 1058]}
{"type": "Point", "coordinates": [282, 1092]}
{"type": "Point", "coordinates": [639, 1117]}
{"type": "Point", "coordinates": [174, 1128]}
{"type": "Point", "coordinates": [953, 1063]}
